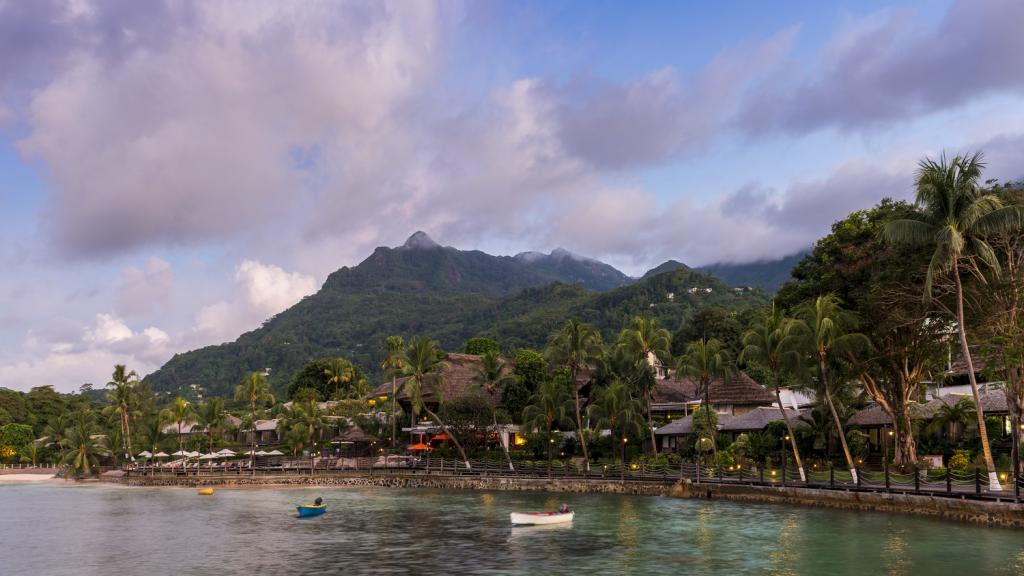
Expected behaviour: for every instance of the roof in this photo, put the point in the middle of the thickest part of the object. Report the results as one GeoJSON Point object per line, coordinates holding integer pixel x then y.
{"type": "Point", "coordinates": [993, 401]}
{"type": "Point", "coordinates": [186, 428]}
{"type": "Point", "coordinates": [266, 425]}
{"type": "Point", "coordinates": [741, 390]}
{"type": "Point", "coordinates": [759, 418]}
{"type": "Point", "coordinates": [356, 434]}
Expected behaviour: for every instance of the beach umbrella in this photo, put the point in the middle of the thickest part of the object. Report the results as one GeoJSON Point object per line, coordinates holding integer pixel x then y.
{"type": "Point", "coordinates": [181, 453]}
{"type": "Point", "coordinates": [274, 453]}
{"type": "Point", "coordinates": [261, 453]}
{"type": "Point", "coordinates": [211, 456]}
{"type": "Point", "coordinates": [145, 454]}
{"type": "Point", "coordinates": [192, 454]}
{"type": "Point", "coordinates": [441, 437]}
{"type": "Point", "coordinates": [226, 453]}
{"type": "Point", "coordinates": [419, 447]}
{"type": "Point", "coordinates": [160, 455]}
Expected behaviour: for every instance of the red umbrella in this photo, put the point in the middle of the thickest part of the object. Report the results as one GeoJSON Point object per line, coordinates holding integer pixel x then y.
{"type": "Point", "coordinates": [418, 447]}
{"type": "Point", "coordinates": [441, 437]}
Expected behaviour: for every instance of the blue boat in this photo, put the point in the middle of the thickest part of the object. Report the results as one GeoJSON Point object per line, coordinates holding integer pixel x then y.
{"type": "Point", "coordinates": [307, 510]}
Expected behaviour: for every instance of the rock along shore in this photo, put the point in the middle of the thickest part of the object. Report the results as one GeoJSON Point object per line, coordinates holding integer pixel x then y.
{"type": "Point", "coordinates": [989, 513]}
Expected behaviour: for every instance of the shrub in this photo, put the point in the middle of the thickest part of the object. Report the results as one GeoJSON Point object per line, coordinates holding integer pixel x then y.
{"type": "Point", "coordinates": [960, 461]}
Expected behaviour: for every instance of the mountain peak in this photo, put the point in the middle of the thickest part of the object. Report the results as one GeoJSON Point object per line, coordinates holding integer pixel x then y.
{"type": "Point", "coordinates": [420, 239]}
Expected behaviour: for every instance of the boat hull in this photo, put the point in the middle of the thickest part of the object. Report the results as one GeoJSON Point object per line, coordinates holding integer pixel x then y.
{"type": "Point", "coordinates": [540, 518]}
{"type": "Point", "coordinates": [307, 511]}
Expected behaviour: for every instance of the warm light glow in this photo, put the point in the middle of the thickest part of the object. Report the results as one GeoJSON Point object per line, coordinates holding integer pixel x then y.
{"type": "Point", "coordinates": [551, 440]}
{"type": "Point", "coordinates": [787, 437]}
{"type": "Point", "coordinates": [633, 466]}
{"type": "Point", "coordinates": [891, 432]}
{"type": "Point", "coordinates": [773, 472]}
{"type": "Point", "coordinates": [624, 440]}
{"type": "Point", "coordinates": [371, 402]}
{"type": "Point", "coordinates": [382, 397]}
{"type": "Point", "coordinates": [1002, 476]}
{"type": "Point", "coordinates": [520, 441]}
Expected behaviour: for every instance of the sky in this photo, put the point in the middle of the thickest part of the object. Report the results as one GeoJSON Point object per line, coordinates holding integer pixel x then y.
{"type": "Point", "coordinates": [174, 173]}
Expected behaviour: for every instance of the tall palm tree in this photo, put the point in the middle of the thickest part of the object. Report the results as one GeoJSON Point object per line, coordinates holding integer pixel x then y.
{"type": "Point", "coordinates": [211, 417]}
{"type": "Point", "coordinates": [576, 347]}
{"type": "Point", "coordinates": [253, 390]}
{"type": "Point", "coordinates": [616, 409]}
{"type": "Point", "coordinates": [954, 216]}
{"type": "Point", "coordinates": [641, 341]}
{"type": "Point", "coordinates": [549, 407]}
{"type": "Point", "coordinates": [771, 343]}
{"type": "Point", "coordinates": [122, 398]}
{"type": "Point", "coordinates": [490, 376]}
{"type": "Point", "coordinates": [56, 428]}
{"type": "Point", "coordinates": [179, 413]}
{"type": "Point", "coordinates": [957, 416]}
{"type": "Point", "coordinates": [423, 364]}
{"type": "Point", "coordinates": [824, 330]}
{"type": "Point", "coordinates": [705, 361]}
{"type": "Point", "coordinates": [394, 351]}
{"type": "Point", "coordinates": [82, 445]}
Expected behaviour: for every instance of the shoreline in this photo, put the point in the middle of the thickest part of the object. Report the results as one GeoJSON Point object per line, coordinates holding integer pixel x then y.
{"type": "Point", "coordinates": [1006, 514]}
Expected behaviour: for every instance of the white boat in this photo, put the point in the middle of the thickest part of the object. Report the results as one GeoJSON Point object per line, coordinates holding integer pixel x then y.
{"type": "Point", "coordinates": [540, 518]}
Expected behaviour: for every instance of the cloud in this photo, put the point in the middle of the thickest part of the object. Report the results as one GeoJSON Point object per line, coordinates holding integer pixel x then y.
{"type": "Point", "coordinates": [144, 291]}
{"type": "Point", "coordinates": [883, 69]}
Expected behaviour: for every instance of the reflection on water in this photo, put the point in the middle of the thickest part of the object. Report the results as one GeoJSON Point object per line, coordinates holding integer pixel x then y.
{"type": "Point", "coordinates": [93, 530]}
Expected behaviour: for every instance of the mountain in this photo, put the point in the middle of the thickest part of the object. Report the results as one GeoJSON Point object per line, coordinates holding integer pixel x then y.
{"type": "Point", "coordinates": [447, 294]}
{"type": "Point", "coordinates": [667, 266]}
{"type": "Point", "coordinates": [768, 275]}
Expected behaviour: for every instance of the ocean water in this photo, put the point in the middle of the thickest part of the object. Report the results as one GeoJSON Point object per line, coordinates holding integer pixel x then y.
{"type": "Point", "coordinates": [101, 529]}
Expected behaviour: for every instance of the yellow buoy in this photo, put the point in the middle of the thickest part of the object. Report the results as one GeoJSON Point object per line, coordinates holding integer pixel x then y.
{"type": "Point", "coordinates": [206, 491]}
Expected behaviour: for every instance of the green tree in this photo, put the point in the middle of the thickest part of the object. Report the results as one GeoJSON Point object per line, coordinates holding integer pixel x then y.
{"type": "Point", "coordinates": [304, 420]}
{"type": "Point", "coordinates": [576, 347]}
{"type": "Point", "coordinates": [771, 343]}
{"type": "Point", "coordinates": [212, 418]}
{"type": "Point", "coordinates": [394, 351]}
{"type": "Point", "coordinates": [180, 412]}
{"type": "Point", "coordinates": [83, 445]}
{"type": "Point", "coordinates": [480, 346]}
{"type": "Point", "coordinates": [490, 377]}
{"type": "Point", "coordinates": [121, 396]}
{"type": "Point", "coordinates": [530, 370]}
{"type": "Point", "coordinates": [424, 366]}
{"type": "Point", "coordinates": [954, 217]}
{"type": "Point", "coordinates": [331, 378]}
{"type": "Point", "coordinates": [825, 333]}
{"type": "Point", "coordinates": [255, 393]}
{"type": "Point", "coordinates": [14, 439]}
{"type": "Point", "coordinates": [616, 409]}
{"type": "Point", "coordinates": [549, 407]}
{"type": "Point", "coordinates": [705, 361]}
{"type": "Point", "coordinates": [645, 341]}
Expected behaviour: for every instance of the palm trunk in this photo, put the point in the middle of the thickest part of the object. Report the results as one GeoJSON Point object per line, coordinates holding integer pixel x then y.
{"type": "Point", "coordinates": [394, 419]}
{"type": "Point", "coordinates": [128, 436]}
{"type": "Point", "coordinates": [993, 478]}
{"type": "Point", "coordinates": [712, 432]}
{"type": "Point", "coordinates": [835, 418]}
{"type": "Point", "coordinates": [792, 437]}
{"type": "Point", "coordinates": [444, 427]}
{"type": "Point", "coordinates": [650, 422]}
{"type": "Point", "coordinates": [579, 420]}
{"type": "Point", "coordinates": [252, 442]}
{"type": "Point", "coordinates": [1015, 406]}
{"type": "Point", "coordinates": [501, 440]}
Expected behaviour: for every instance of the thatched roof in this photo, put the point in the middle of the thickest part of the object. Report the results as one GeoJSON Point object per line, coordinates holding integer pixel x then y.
{"type": "Point", "coordinates": [357, 435]}
{"type": "Point", "coordinates": [992, 401]}
{"type": "Point", "coordinates": [759, 418]}
{"type": "Point", "coordinates": [740, 390]}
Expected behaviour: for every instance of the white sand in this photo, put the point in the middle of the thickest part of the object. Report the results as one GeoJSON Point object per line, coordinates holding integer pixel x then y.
{"type": "Point", "coordinates": [27, 478]}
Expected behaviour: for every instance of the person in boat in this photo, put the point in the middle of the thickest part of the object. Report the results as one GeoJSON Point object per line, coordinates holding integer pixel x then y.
{"type": "Point", "coordinates": [563, 509]}
{"type": "Point", "coordinates": [318, 501]}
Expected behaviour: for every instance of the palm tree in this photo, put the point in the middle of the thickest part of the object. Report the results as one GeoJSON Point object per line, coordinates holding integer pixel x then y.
{"type": "Point", "coordinates": [83, 445]}
{"type": "Point", "coordinates": [954, 216]}
{"type": "Point", "coordinates": [576, 347]}
{"type": "Point", "coordinates": [394, 351]}
{"type": "Point", "coordinates": [956, 415]}
{"type": "Point", "coordinates": [339, 372]}
{"type": "Point", "coordinates": [772, 344]}
{"type": "Point", "coordinates": [640, 341]}
{"type": "Point", "coordinates": [301, 424]}
{"type": "Point", "coordinates": [56, 428]}
{"type": "Point", "coordinates": [824, 331]}
{"type": "Point", "coordinates": [616, 409]}
{"type": "Point", "coordinates": [423, 364]}
{"type": "Point", "coordinates": [549, 407]}
{"type": "Point", "coordinates": [253, 391]}
{"type": "Point", "coordinates": [179, 413]}
{"type": "Point", "coordinates": [211, 417]}
{"type": "Point", "coordinates": [122, 397]}
{"type": "Point", "coordinates": [490, 377]}
{"type": "Point", "coordinates": [705, 361]}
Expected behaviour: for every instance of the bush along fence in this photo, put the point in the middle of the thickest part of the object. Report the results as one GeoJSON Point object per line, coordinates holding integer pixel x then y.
{"type": "Point", "coordinates": [936, 482]}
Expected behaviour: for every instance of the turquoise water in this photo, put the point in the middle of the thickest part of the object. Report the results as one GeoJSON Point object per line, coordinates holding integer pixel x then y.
{"type": "Point", "coordinates": [98, 529]}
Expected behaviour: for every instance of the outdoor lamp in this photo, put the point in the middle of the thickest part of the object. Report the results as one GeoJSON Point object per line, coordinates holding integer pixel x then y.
{"type": "Point", "coordinates": [624, 440]}
{"type": "Point", "coordinates": [891, 433]}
